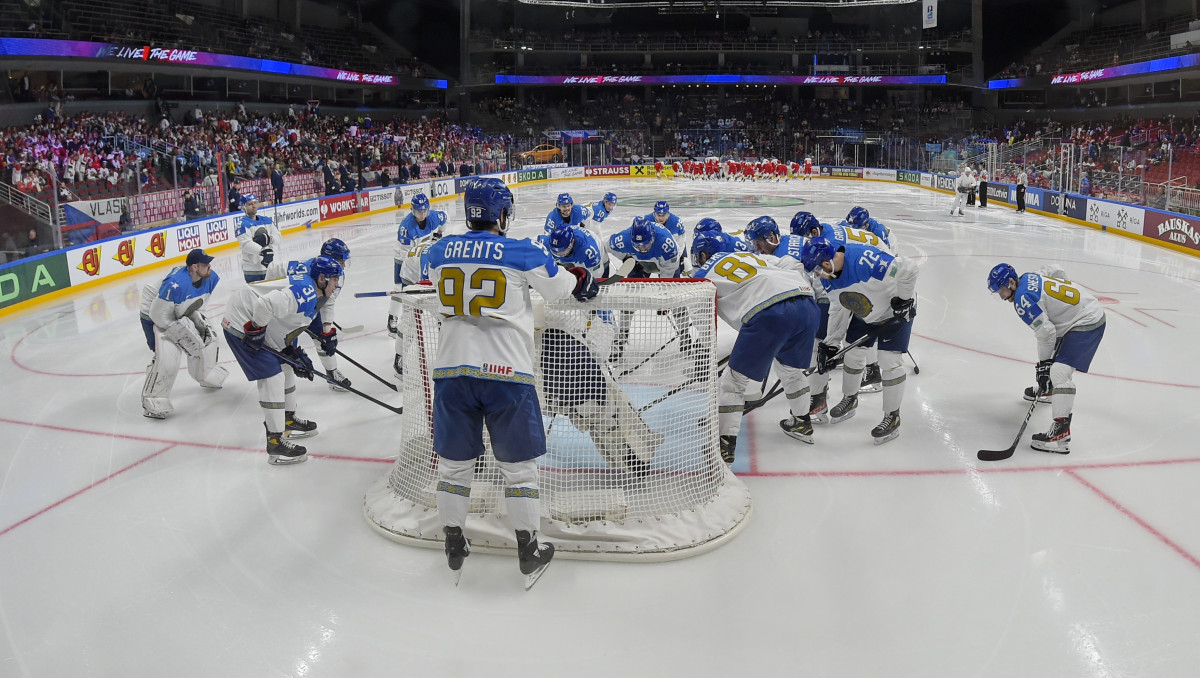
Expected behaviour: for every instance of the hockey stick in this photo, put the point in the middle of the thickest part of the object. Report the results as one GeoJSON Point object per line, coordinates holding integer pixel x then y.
{"type": "Point", "coordinates": [360, 366]}
{"type": "Point", "coordinates": [1000, 455]}
{"type": "Point", "coordinates": [350, 330]}
{"type": "Point", "coordinates": [916, 367]}
{"type": "Point", "coordinates": [360, 295]}
{"type": "Point", "coordinates": [690, 382]}
{"type": "Point", "coordinates": [627, 267]}
{"type": "Point", "coordinates": [293, 364]}
{"type": "Point", "coordinates": [777, 387]}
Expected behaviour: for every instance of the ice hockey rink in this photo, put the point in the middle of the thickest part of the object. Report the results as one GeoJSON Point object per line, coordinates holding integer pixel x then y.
{"type": "Point", "coordinates": [136, 547]}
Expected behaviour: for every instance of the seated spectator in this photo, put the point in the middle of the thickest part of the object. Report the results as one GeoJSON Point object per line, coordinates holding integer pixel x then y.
{"type": "Point", "coordinates": [385, 179]}
{"type": "Point", "coordinates": [191, 205]}
{"type": "Point", "coordinates": [125, 224]}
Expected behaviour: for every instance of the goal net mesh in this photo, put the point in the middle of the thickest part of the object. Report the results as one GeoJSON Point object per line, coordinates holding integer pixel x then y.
{"type": "Point", "coordinates": [628, 388]}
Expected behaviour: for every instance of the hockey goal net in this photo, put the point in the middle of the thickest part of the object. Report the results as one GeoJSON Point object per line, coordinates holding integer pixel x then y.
{"type": "Point", "coordinates": [628, 388]}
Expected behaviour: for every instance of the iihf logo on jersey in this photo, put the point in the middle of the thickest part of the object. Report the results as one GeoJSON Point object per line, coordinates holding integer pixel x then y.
{"type": "Point", "coordinates": [505, 370]}
{"type": "Point", "coordinates": [158, 245]}
{"type": "Point", "coordinates": [91, 261]}
{"type": "Point", "coordinates": [124, 253]}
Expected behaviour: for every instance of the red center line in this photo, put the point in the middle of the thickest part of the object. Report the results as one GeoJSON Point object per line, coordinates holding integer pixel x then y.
{"type": "Point", "coordinates": [182, 443]}
{"type": "Point", "coordinates": [69, 497]}
{"type": "Point", "coordinates": [1130, 514]}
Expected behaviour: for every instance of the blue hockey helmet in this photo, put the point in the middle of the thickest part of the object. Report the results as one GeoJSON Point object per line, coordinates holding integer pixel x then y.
{"type": "Point", "coordinates": [761, 227]}
{"type": "Point", "coordinates": [611, 197]}
{"type": "Point", "coordinates": [804, 223]}
{"type": "Point", "coordinates": [420, 202]}
{"type": "Point", "coordinates": [246, 199]}
{"type": "Point", "coordinates": [641, 234]}
{"type": "Point", "coordinates": [708, 225]}
{"type": "Point", "coordinates": [858, 217]}
{"type": "Point", "coordinates": [337, 250]}
{"type": "Point", "coordinates": [661, 207]}
{"type": "Point", "coordinates": [486, 200]}
{"type": "Point", "coordinates": [815, 251]}
{"type": "Point", "coordinates": [710, 244]}
{"type": "Point", "coordinates": [561, 240]}
{"type": "Point", "coordinates": [324, 266]}
{"type": "Point", "coordinates": [564, 200]}
{"type": "Point", "coordinates": [999, 277]}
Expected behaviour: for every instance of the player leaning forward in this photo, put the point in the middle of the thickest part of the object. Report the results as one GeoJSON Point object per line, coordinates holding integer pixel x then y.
{"type": "Point", "coordinates": [1069, 324]}
{"type": "Point", "coordinates": [776, 318]}
{"type": "Point", "coordinates": [174, 322]}
{"type": "Point", "coordinates": [483, 371]}
{"type": "Point", "coordinates": [273, 314]}
{"type": "Point", "coordinates": [871, 293]}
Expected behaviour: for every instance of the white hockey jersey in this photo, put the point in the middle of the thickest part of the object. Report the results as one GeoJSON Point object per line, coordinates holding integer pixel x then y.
{"type": "Point", "coordinates": [286, 306]}
{"type": "Point", "coordinates": [482, 281]}
{"type": "Point", "coordinates": [748, 283]}
{"type": "Point", "coordinates": [1051, 307]}
{"type": "Point", "coordinates": [252, 251]}
{"type": "Point", "coordinates": [870, 278]}
{"type": "Point", "coordinates": [415, 266]}
{"type": "Point", "coordinates": [166, 301]}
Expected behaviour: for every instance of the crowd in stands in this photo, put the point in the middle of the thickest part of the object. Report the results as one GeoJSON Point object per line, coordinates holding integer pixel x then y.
{"type": "Point", "coordinates": [829, 38]}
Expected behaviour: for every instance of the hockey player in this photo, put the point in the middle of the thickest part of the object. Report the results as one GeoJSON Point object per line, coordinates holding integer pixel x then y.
{"type": "Point", "coordinates": [602, 208]}
{"type": "Point", "coordinates": [258, 237]}
{"type": "Point", "coordinates": [964, 185]}
{"type": "Point", "coordinates": [272, 314]}
{"type": "Point", "coordinates": [708, 225]}
{"type": "Point", "coordinates": [174, 322]}
{"type": "Point", "coordinates": [567, 212]}
{"type": "Point", "coordinates": [652, 245]}
{"type": "Point", "coordinates": [658, 169]}
{"type": "Point", "coordinates": [577, 246]}
{"type": "Point", "coordinates": [415, 269]}
{"type": "Point", "coordinates": [663, 217]}
{"type": "Point", "coordinates": [871, 293]}
{"type": "Point", "coordinates": [776, 319]}
{"type": "Point", "coordinates": [763, 234]}
{"type": "Point", "coordinates": [1068, 323]}
{"type": "Point", "coordinates": [860, 218]}
{"type": "Point", "coordinates": [808, 168]}
{"type": "Point", "coordinates": [417, 226]}
{"type": "Point", "coordinates": [484, 370]}
{"type": "Point", "coordinates": [335, 249]}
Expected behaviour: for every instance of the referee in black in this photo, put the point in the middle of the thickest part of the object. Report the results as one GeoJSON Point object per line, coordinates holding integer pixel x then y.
{"type": "Point", "coordinates": [1022, 182]}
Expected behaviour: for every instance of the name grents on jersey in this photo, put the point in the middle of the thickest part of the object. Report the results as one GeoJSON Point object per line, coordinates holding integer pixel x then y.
{"type": "Point", "coordinates": [188, 237]}
{"type": "Point", "coordinates": [462, 249]}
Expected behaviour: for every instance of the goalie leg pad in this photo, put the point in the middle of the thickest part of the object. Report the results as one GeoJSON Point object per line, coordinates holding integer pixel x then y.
{"type": "Point", "coordinates": [521, 496]}
{"type": "Point", "coordinates": [160, 378]}
{"type": "Point", "coordinates": [183, 334]}
{"type": "Point", "coordinates": [454, 490]}
{"type": "Point", "coordinates": [891, 369]}
{"type": "Point", "coordinates": [731, 399]}
{"type": "Point", "coordinates": [205, 370]}
{"type": "Point", "coordinates": [271, 400]}
{"type": "Point", "coordinates": [1062, 398]}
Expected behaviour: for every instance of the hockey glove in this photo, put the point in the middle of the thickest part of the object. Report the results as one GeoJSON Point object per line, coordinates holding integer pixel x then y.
{"type": "Point", "coordinates": [825, 357]}
{"type": "Point", "coordinates": [268, 255]}
{"type": "Point", "coordinates": [262, 239]}
{"type": "Point", "coordinates": [903, 309]}
{"type": "Point", "coordinates": [1043, 377]}
{"type": "Point", "coordinates": [329, 341]}
{"type": "Point", "coordinates": [302, 365]}
{"type": "Point", "coordinates": [253, 336]}
{"type": "Point", "coordinates": [585, 285]}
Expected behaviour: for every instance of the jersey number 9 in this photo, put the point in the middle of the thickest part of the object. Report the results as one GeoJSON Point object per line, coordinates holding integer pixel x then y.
{"type": "Point", "coordinates": [453, 293]}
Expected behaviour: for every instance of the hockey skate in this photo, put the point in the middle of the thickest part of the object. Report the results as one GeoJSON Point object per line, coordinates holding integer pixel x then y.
{"type": "Point", "coordinates": [799, 428]}
{"type": "Point", "coordinates": [1055, 440]}
{"type": "Point", "coordinates": [533, 557]}
{"type": "Point", "coordinates": [887, 429]}
{"type": "Point", "coordinates": [392, 327]}
{"type": "Point", "coordinates": [728, 448]}
{"type": "Point", "coordinates": [960, 213]}
{"type": "Point", "coordinates": [844, 410]}
{"type": "Point", "coordinates": [342, 381]}
{"type": "Point", "coordinates": [818, 410]}
{"type": "Point", "coordinates": [872, 381]}
{"type": "Point", "coordinates": [281, 451]}
{"type": "Point", "coordinates": [398, 366]}
{"type": "Point", "coordinates": [1031, 393]}
{"type": "Point", "coordinates": [457, 550]}
{"type": "Point", "coordinates": [295, 427]}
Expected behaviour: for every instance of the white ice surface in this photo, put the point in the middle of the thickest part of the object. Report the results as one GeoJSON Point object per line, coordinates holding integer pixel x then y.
{"type": "Point", "coordinates": [133, 547]}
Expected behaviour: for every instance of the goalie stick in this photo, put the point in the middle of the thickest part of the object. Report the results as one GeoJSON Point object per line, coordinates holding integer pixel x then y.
{"type": "Point", "coordinates": [350, 330]}
{"type": "Point", "coordinates": [676, 389]}
{"type": "Point", "coordinates": [288, 361]}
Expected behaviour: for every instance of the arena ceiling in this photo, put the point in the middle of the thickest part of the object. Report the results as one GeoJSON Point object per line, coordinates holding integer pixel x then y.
{"type": "Point", "coordinates": [711, 5]}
